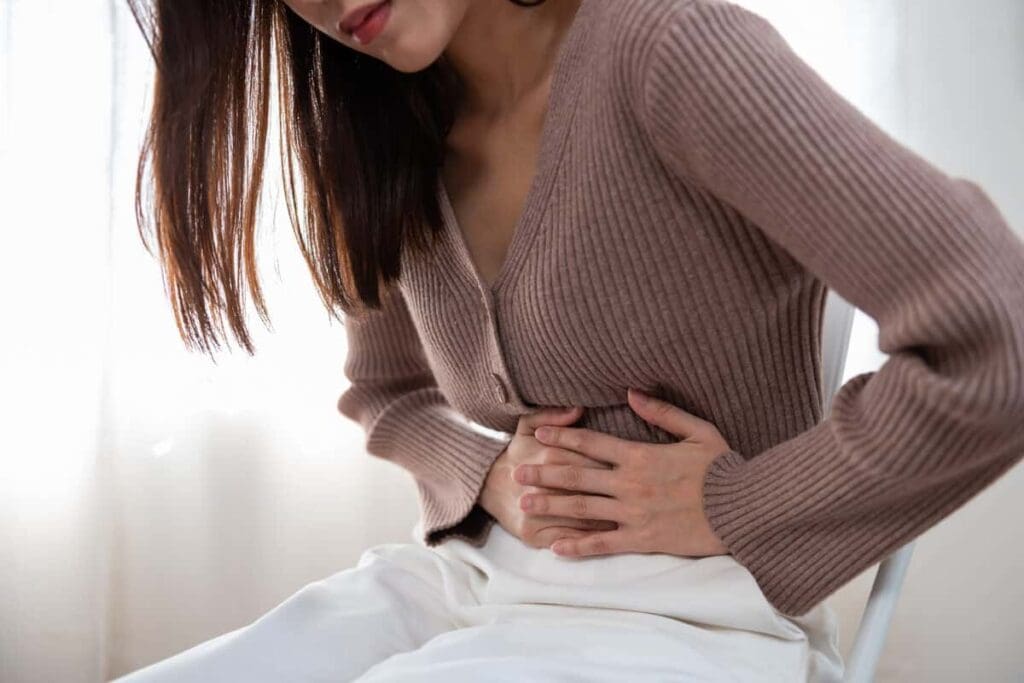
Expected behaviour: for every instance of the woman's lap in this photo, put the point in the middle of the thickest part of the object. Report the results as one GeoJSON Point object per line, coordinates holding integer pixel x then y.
{"type": "Point", "coordinates": [332, 629]}
{"type": "Point", "coordinates": [527, 610]}
{"type": "Point", "coordinates": [456, 612]}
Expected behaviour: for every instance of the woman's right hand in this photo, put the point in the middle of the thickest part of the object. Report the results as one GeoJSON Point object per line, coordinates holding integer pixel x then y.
{"type": "Point", "coordinates": [500, 494]}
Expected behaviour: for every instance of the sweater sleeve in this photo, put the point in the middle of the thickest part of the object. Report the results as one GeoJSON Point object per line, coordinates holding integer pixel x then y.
{"type": "Point", "coordinates": [407, 420]}
{"type": "Point", "coordinates": [729, 107]}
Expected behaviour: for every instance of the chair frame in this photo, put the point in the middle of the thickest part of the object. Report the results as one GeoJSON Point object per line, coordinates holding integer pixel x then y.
{"type": "Point", "coordinates": [873, 629]}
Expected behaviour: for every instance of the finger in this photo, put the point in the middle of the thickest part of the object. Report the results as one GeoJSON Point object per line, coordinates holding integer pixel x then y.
{"type": "Point", "coordinates": [589, 442]}
{"type": "Point", "coordinates": [553, 455]}
{"type": "Point", "coordinates": [548, 535]}
{"type": "Point", "coordinates": [578, 506]}
{"type": "Point", "coordinates": [557, 415]}
{"type": "Point", "coordinates": [569, 477]}
{"type": "Point", "coordinates": [666, 415]}
{"type": "Point", "coordinates": [600, 543]}
{"type": "Point", "coordinates": [545, 490]}
{"type": "Point", "coordinates": [574, 523]}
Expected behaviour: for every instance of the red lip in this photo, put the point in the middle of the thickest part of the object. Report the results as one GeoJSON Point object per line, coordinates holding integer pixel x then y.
{"type": "Point", "coordinates": [352, 20]}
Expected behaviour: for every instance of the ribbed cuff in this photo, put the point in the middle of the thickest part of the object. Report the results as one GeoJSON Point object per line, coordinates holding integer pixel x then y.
{"type": "Point", "coordinates": [452, 509]}
{"type": "Point", "coordinates": [448, 456]}
{"type": "Point", "coordinates": [774, 514]}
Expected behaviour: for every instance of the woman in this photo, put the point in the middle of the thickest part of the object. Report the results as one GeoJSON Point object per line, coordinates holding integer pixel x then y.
{"type": "Point", "coordinates": [555, 211]}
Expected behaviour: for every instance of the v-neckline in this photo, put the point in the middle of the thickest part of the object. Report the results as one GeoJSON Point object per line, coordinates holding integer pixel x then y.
{"type": "Point", "coordinates": [562, 98]}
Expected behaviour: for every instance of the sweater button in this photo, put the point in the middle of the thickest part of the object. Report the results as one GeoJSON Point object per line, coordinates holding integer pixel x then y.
{"type": "Point", "coordinates": [500, 393]}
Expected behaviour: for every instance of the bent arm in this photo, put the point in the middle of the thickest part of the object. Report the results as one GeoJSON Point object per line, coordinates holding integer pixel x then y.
{"type": "Point", "coordinates": [731, 109]}
{"type": "Point", "coordinates": [394, 396]}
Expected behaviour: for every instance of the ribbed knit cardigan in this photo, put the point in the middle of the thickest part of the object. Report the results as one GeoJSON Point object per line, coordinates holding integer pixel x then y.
{"type": "Point", "coordinates": [699, 187]}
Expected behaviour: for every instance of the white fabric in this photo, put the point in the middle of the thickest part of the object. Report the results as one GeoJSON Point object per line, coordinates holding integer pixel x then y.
{"type": "Point", "coordinates": [510, 612]}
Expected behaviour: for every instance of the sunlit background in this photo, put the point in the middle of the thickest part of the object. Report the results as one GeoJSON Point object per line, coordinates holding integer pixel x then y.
{"type": "Point", "coordinates": [151, 499]}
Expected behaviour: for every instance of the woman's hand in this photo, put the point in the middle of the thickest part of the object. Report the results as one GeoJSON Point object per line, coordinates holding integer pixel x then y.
{"type": "Point", "coordinates": [654, 491]}
{"type": "Point", "coordinates": [501, 493]}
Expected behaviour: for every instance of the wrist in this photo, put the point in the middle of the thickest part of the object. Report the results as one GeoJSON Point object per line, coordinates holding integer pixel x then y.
{"type": "Point", "coordinates": [487, 491]}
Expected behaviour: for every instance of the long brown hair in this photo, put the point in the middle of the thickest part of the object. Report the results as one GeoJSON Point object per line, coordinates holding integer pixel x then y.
{"type": "Point", "coordinates": [368, 141]}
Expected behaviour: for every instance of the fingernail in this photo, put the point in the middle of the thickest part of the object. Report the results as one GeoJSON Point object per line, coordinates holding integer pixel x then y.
{"type": "Point", "coordinates": [640, 397]}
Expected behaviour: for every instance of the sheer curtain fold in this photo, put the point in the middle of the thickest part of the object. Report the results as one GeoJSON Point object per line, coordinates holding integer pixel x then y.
{"type": "Point", "coordinates": [149, 497]}
{"type": "Point", "coordinates": [56, 125]}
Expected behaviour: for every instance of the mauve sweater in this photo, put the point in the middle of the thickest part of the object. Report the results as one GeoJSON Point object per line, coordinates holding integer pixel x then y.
{"type": "Point", "coordinates": [699, 187]}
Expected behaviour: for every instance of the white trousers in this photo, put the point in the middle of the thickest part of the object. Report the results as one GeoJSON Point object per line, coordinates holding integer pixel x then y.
{"type": "Point", "coordinates": [510, 612]}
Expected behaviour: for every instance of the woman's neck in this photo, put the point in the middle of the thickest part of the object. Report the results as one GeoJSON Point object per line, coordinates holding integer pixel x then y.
{"type": "Point", "coordinates": [503, 52]}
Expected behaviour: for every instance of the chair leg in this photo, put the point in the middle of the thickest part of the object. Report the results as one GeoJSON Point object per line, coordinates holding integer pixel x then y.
{"type": "Point", "coordinates": [874, 623]}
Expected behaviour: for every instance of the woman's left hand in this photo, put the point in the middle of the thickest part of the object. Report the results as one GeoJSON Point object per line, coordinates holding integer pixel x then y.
{"type": "Point", "coordinates": [654, 491]}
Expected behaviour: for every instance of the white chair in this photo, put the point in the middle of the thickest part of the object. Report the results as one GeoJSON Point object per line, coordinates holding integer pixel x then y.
{"type": "Point", "coordinates": [885, 590]}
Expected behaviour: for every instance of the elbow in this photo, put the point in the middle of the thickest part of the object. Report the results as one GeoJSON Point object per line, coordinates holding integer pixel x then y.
{"type": "Point", "coordinates": [1005, 393]}
{"type": "Point", "coordinates": [1012, 327]}
{"type": "Point", "coordinates": [1002, 280]}
{"type": "Point", "coordinates": [1015, 366]}
{"type": "Point", "coordinates": [355, 404]}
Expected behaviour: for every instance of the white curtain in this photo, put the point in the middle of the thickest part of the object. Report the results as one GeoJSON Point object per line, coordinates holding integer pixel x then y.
{"type": "Point", "coordinates": [150, 498]}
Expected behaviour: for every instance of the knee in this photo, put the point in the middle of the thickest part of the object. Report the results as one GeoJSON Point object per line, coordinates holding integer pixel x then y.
{"type": "Point", "coordinates": [308, 603]}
